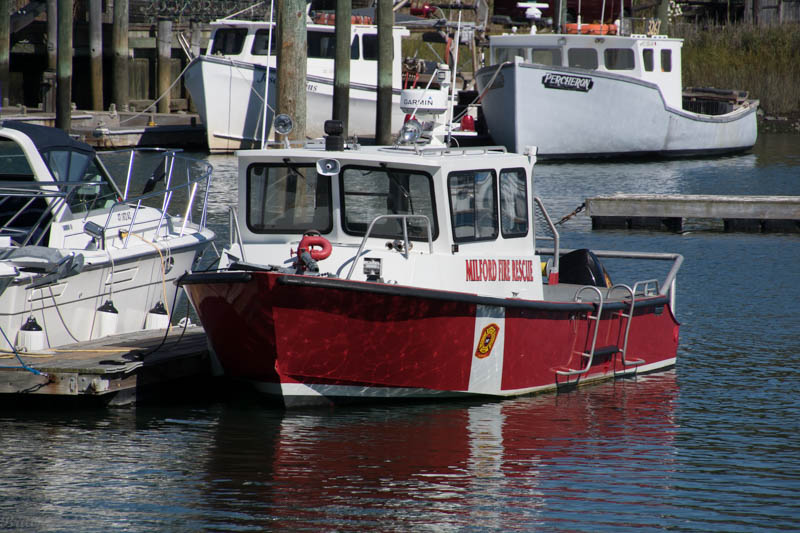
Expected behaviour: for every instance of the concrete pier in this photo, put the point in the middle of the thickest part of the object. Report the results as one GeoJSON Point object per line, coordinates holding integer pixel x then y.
{"type": "Point", "coordinates": [670, 211]}
{"type": "Point", "coordinates": [116, 370]}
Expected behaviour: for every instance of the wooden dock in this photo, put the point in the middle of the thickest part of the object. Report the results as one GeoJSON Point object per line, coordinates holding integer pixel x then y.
{"type": "Point", "coordinates": [116, 370]}
{"type": "Point", "coordinates": [670, 212]}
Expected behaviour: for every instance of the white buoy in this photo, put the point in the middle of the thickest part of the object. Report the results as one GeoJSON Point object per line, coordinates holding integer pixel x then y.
{"type": "Point", "coordinates": [157, 317]}
{"type": "Point", "coordinates": [31, 336]}
{"type": "Point", "coordinates": [107, 319]}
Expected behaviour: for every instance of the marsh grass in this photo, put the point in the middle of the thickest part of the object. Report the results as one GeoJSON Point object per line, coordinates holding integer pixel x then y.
{"type": "Point", "coordinates": [765, 61]}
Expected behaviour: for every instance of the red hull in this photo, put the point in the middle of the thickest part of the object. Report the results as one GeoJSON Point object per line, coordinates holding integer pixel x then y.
{"type": "Point", "coordinates": [362, 339]}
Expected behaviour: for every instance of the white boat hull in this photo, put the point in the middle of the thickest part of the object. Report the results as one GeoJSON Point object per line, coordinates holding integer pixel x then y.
{"type": "Point", "coordinates": [609, 115]}
{"type": "Point", "coordinates": [229, 97]}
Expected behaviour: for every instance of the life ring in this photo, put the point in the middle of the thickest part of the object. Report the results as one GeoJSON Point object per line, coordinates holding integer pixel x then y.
{"type": "Point", "coordinates": [311, 239]}
{"type": "Point", "coordinates": [593, 29]}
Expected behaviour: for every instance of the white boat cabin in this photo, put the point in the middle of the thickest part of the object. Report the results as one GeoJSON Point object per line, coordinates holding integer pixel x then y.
{"type": "Point", "coordinates": [451, 219]}
{"type": "Point", "coordinates": [655, 59]}
{"type": "Point", "coordinates": [248, 41]}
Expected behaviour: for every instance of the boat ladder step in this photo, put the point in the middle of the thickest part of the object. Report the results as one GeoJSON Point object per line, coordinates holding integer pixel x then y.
{"type": "Point", "coordinates": [628, 316]}
{"type": "Point", "coordinates": [596, 318]}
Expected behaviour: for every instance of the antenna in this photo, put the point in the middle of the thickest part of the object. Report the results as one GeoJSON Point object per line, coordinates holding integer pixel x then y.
{"type": "Point", "coordinates": [266, 77]}
{"type": "Point", "coordinates": [453, 84]}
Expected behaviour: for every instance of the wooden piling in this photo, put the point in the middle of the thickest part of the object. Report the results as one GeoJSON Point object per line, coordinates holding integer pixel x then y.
{"type": "Point", "coordinates": [292, 56]}
{"type": "Point", "coordinates": [96, 52]}
{"type": "Point", "coordinates": [121, 64]}
{"type": "Point", "coordinates": [164, 40]}
{"type": "Point", "coordinates": [341, 70]}
{"type": "Point", "coordinates": [383, 123]}
{"type": "Point", "coordinates": [52, 33]}
{"type": "Point", "coordinates": [64, 70]}
{"type": "Point", "coordinates": [5, 48]}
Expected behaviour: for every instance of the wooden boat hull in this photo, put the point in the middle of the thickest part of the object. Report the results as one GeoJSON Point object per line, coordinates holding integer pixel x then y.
{"type": "Point", "coordinates": [320, 340]}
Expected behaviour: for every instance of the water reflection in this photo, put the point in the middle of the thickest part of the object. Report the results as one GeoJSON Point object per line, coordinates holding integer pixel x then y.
{"type": "Point", "coordinates": [500, 465]}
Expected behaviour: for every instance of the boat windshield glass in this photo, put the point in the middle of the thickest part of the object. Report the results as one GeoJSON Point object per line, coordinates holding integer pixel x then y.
{"type": "Point", "coordinates": [513, 203]}
{"type": "Point", "coordinates": [228, 41]}
{"type": "Point", "coordinates": [21, 208]}
{"type": "Point", "coordinates": [582, 58]}
{"type": "Point", "coordinates": [546, 56]}
{"type": "Point", "coordinates": [73, 166]}
{"type": "Point", "coordinates": [288, 198]}
{"type": "Point", "coordinates": [370, 192]}
{"type": "Point", "coordinates": [259, 47]}
{"type": "Point", "coordinates": [473, 205]}
{"type": "Point", "coordinates": [321, 45]}
{"type": "Point", "coordinates": [618, 58]}
{"type": "Point", "coordinates": [507, 53]}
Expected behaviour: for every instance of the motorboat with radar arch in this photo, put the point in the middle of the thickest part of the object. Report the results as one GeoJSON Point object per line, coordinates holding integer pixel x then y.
{"type": "Point", "coordinates": [413, 271]}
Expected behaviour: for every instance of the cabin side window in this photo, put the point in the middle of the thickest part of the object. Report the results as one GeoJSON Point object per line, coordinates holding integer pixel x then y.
{"type": "Point", "coordinates": [666, 60]}
{"type": "Point", "coordinates": [546, 56]}
{"type": "Point", "coordinates": [370, 192]}
{"type": "Point", "coordinates": [473, 205]}
{"type": "Point", "coordinates": [582, 58]}
{"type": "Point", "coordinates": [18, 214]}
{"type": "Point", "coordinates": [647, 59]}
{"type": "Point", "coordinates": [321, 45]}
{"type": "Point", "coordinates": [289, 198]}
{"type": "Point", "coordinates": [507, 53]}
{"type": "Point", "coordinates": [260, 43]}
{"type": "Point", "coordinates": [370, 46]}
{"type": "Point", "coordinates": [513, 203]}
{"type": "Point", "coordinates": [228, 41]}
{"type": "Point", "coordinates": [618, 58]}
{"type": "Point", "coordinates": [355, 48]}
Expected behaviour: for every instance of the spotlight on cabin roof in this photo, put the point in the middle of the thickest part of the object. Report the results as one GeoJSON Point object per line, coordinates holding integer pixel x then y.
{"type": "Point", "coordinates": [410, 132]}
{"type": "Point", "coordinates": [284, 124]}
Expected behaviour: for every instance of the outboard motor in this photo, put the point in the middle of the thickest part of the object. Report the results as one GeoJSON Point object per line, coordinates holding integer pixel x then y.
{"type": "Point", "coordinates": [582, 267]}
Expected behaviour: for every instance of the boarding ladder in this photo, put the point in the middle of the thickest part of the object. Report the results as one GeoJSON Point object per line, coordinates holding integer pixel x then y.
{"type": "Point", "coordinates": [591, 353]}
{"type": "Point", "coordinates": [628, 316]}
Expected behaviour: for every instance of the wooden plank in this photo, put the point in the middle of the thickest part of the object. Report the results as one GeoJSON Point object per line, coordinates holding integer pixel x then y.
{"type": "Point", "coordinates": [695, 206]}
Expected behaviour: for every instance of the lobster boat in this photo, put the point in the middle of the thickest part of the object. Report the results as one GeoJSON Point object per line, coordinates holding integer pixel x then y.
{"type": "Point", "coordinates": [414, 271]}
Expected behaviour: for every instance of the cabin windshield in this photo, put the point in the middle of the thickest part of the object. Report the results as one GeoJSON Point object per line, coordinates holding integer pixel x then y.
{"type": "Point", "coordinates": [77, 167]}
{"type": "Point", "coordinates": [368, 192]}
{"type": "Point", "coordinates": [228, 41]}
{"type": "Point", "coordinates": [288, 198]}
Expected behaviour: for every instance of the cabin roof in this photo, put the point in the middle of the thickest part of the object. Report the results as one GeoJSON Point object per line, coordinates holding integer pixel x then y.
{"type": "Point", "coordinates": [46, 138]}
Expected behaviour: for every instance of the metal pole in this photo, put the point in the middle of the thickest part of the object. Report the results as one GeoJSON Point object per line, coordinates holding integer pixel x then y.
{"type": "Point", "coordinates": [341, 70]}
{"type": "Point", "coordinates": [121, 61]}
{"type": "Point", "coordinates": [383, 122]}
{"type": "Point", "coordinates": [292, 56]}
{"type": "Point", "coordinates": [5, 48]}
{"type": "Point", "coordinates": [64, 70]}
{"type": "Point", "coordinates": [96, 52]}
{"type": "Point", "coordinates": [164, 40]}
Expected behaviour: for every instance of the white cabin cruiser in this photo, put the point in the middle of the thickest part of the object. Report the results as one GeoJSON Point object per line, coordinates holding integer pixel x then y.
{"type": "Point", "coordinates": [227, 83]}
{"type": "Point", "coordinates": [606, 95]}
{"type": "Point", "coordinates": [412, 271]}
{"type": "Point", "coordinates": [83, 256]}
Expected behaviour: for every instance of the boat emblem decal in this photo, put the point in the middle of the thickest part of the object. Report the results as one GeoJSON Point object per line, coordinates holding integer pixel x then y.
{"type": "Point", "coordinates": [566, 82]}
{"type": "Point", "coordinates": [486, 342]}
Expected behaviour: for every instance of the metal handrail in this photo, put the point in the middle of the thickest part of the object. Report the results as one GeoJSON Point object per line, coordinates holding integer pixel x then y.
{"type": "Point", "coordinates": [590, 355]}
{"type": "Point", "coordinates": [406, 240]}
{"type": "Point", "coordinates": [555, 238]}
{"type": "Point", "coordinates": [233, 226]}
{"type": "Point", "coordinates": [666, 287]}
{"type": "Point", "coordinates": [629, 316]}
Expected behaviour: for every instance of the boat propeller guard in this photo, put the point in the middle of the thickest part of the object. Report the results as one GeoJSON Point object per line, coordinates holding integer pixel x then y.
{"type": "Point", "coordinates": [313, 247]}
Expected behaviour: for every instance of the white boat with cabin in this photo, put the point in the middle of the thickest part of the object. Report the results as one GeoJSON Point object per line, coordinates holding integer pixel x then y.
{"type": "Point", "coordinates": [84, 252]}
{"type": "Point", "coordinates": [597, 94]}
{"type": "Point", "coordinates": [227, 83]}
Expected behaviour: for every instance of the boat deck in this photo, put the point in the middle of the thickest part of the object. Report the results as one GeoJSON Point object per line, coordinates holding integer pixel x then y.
{"type": "Point", "coordinates": [115, 370]}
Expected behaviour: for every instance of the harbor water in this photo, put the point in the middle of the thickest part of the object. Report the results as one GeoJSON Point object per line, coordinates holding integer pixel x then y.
{"type": "Point", "coordinates": [711, 445]}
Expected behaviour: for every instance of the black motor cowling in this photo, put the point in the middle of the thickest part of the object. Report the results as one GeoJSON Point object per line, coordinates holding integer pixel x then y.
{"type": "Point", "coordinates": [582, 267]}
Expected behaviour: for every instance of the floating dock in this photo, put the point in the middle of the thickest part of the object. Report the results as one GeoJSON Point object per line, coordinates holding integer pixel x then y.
{"type": "Point", "coordinates": [670, 212]}
{"type": "Point", "coordinates": [116, 370]}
